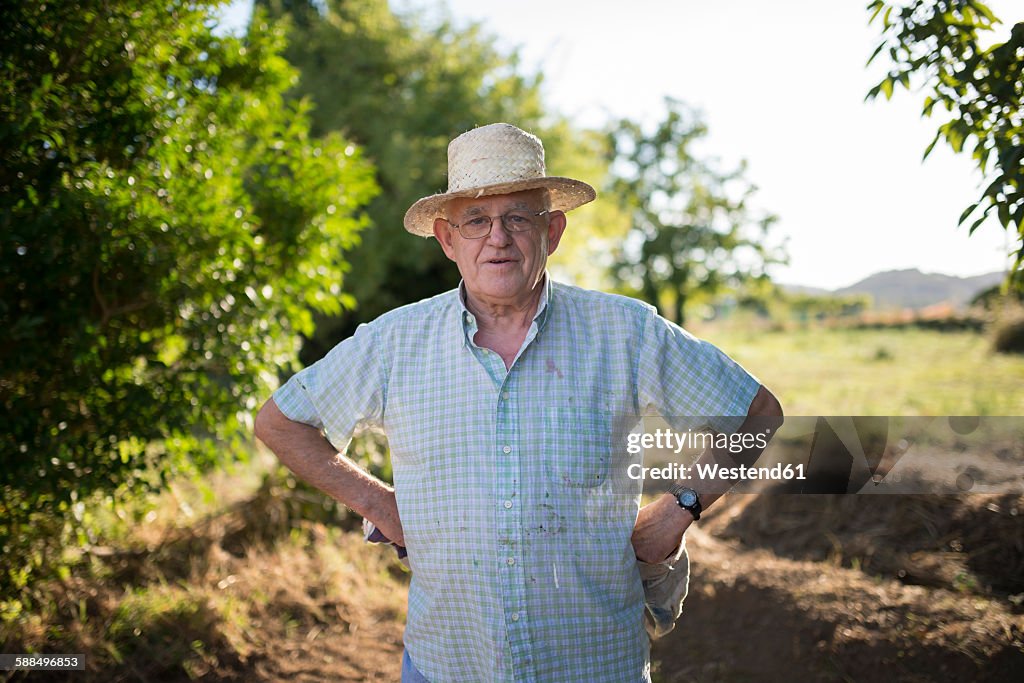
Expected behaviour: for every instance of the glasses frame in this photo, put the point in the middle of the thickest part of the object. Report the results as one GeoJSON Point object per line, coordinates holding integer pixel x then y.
{"type": "Point", "coordinates": [490, 223]}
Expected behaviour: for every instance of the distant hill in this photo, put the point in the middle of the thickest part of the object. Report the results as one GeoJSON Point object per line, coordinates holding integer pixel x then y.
{"type": "Point", "coordinates": [911, 288]}
{"type": "Point", "coordinates": [805, 289]}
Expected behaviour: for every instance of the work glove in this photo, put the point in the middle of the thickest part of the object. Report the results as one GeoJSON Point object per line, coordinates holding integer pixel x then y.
{"type": "Point", "coordinates": [371, 534]}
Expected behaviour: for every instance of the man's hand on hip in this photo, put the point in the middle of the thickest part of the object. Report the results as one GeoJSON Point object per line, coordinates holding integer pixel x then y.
{"type": "Point", "coordinates": [659, 529]}
{"type": "Point", "coordinates": [386, 519]}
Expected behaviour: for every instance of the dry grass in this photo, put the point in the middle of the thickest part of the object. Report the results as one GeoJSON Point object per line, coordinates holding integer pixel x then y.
{"type": "Point", "coordinates": [233, 593]}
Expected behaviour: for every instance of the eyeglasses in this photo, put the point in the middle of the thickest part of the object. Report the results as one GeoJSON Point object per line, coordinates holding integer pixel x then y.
{"type": "Point", "coordinates": [480, 226]}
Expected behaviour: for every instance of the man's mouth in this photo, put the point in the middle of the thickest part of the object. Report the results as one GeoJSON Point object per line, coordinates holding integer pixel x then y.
{"type": "Point", "coordinates": [499, 261]}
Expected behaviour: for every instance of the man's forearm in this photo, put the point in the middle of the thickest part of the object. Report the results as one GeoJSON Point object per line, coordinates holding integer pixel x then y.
{"type": "Point", "coordinates": [305, 451]}
{"type": "Point", "coordinates": [661, 524]}
{"type": "Point", "coordinates": [764, 417]}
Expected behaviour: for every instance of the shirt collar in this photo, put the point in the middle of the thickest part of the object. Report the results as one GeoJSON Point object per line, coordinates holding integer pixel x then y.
{"type": "Point", "coordinates": [468, 320]}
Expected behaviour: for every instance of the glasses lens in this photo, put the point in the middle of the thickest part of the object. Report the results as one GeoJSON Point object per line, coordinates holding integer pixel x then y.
{"type": "Point", "coordinates": [517, 221]}
{"type": "Point", "coordinates": [476, 228]}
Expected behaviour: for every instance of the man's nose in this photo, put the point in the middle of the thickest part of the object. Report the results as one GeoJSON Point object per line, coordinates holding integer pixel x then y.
{"type": "Point", "coordinates": [499, 236]}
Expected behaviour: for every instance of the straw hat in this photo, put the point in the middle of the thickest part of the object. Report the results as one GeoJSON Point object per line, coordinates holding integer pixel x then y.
{"type": "Point", "coordinates": [495, 159]}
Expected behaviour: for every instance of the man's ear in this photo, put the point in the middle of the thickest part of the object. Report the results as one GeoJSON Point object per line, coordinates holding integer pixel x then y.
{"type": "Point", "coordinates": [556, 226]}
{"type": "Point", "coordinates": [443, 233]}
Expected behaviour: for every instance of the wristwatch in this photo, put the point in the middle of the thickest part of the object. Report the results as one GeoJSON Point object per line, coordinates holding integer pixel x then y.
{"type": "Point", "coordinates": [688, 500]}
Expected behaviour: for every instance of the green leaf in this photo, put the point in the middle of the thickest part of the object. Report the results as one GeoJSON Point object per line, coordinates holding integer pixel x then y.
{"type": "Point", "coordinates": [1003, 213]}
{"type": "Point", "coordinates": [981, 154]}
{"type": "Point", "coordinates": [983, 9]}
{"type": "Point", "coordinates": [874, 54]}
{"type": "Point", "coordinates": [967, 212]}
{"type": "Point", "coordinates": [886, 86]}
{"type": "Point", "coordinates": [1010, 158]}
{"type": "Point", "coordinates": [877, 6]}
{"type": "Point", "coordinates": [984, 215]}
{"type": "Point", "coordinates": [954, 133]}
{"type": "Point", "coordinates": [929, 102]}
{"type": "Point", "coordinates": [974, 226]}
{"type": "Point", "coordinates": [994, 187]}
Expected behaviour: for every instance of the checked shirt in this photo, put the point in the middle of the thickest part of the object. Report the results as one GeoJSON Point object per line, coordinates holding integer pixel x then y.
{"type": "Point", "coordinates": [511, 485]}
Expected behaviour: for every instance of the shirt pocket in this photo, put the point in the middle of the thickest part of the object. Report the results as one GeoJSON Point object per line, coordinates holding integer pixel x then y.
{"type": "Point", "coordinates": [579, 443]}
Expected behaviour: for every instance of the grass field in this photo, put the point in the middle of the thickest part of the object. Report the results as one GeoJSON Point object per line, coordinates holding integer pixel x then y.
{"type": "Point", "coordinates": [878, 372]}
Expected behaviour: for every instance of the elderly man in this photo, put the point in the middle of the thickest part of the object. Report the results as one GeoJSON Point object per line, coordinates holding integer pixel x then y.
{"type": "Point", "coordinates": [506, 404]}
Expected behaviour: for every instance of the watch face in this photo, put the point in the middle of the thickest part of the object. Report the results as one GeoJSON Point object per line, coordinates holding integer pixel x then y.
{"type": "Point", "coordinates": [688, 498]}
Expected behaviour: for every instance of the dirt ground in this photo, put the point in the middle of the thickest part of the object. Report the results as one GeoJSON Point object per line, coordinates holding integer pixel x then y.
{"type": "Point", "coordinates": [754, 616]}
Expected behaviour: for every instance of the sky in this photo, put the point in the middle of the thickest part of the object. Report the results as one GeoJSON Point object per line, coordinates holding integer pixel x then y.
{"type": "Point", "coordinates": [781, 85]}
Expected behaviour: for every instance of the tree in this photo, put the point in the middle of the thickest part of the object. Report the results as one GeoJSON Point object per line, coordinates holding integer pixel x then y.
{"type": "Point", "coordinates": [595, 230]}
{"type": "Point", "coordinates": [692, 232]}
{"type": "Point", "coordinates": [939, 44]}
{"type": "Point", "coordinates": [401, 86]}
{"type": "Point", "coordinates": [166, 223]}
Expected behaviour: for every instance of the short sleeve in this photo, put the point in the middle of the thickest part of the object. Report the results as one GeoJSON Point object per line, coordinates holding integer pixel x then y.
{"type": "Point", "coordinates": [341, 392]}
{"type": "Point", "coordinates": [680, 376]}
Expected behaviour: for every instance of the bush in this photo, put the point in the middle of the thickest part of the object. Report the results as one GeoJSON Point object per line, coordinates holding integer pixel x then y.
{"type": "Point", "coordinates": [166, 223]}
{"type": "Point", "coordinates": [1008, 333]}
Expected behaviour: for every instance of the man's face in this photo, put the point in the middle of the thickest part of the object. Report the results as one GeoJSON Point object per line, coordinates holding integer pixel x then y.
{"type": "Point", "coordinates": [503, 267]}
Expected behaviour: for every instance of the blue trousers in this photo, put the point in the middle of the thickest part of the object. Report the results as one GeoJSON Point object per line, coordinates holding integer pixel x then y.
{"type": "Point", "coordinates": [410, 674]}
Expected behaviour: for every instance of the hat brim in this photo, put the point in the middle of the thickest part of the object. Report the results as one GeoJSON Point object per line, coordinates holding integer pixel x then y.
{"type": "Point", "coordinates": [566, 194]}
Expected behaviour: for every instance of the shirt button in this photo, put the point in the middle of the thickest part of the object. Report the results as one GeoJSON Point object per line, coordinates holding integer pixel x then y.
{"type": "Point", "coordinates": [508, 504]}
{"type": "Point", "coordinates": [506, 449]}
{"type": "Point", "coordinates": [504, 395]}
{"type": "Point", "coordinates": [515, 616]}
{"type": "Point", "coordinates": [510, 561]}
